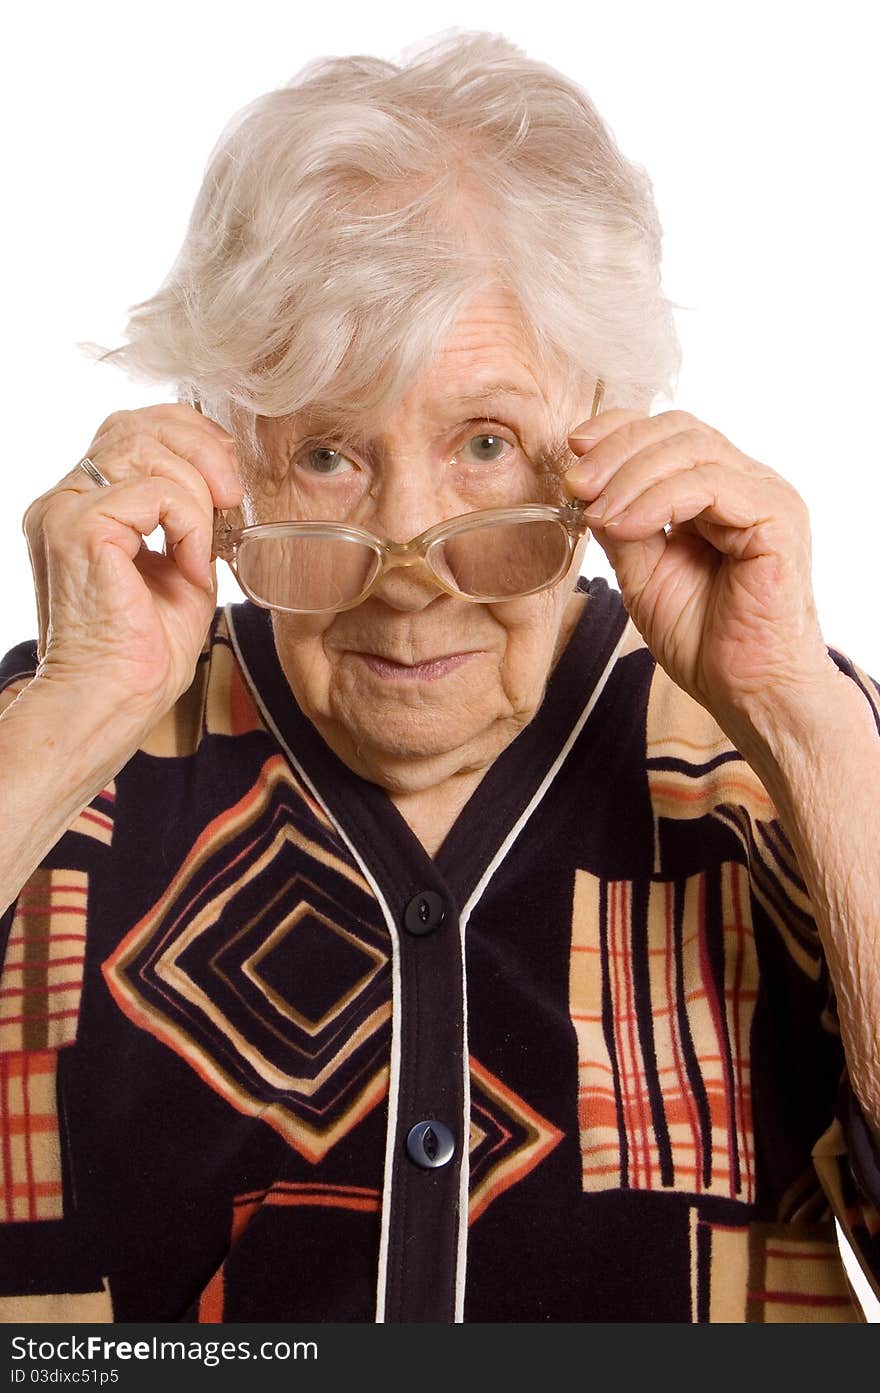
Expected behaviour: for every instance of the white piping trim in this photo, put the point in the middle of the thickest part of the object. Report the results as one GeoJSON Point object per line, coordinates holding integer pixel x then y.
{"type": "Point", "coordinates": [463, 1195]}
{"type": "Point", "coordinates": [394, 1079]}
{"type": "Point", "coordinates": [464, 1178]}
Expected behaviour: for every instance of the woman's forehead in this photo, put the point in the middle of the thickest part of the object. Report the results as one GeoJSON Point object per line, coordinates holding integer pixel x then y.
{"type": "Point", "coordinates": [519, 413]}
{"type": "Point", "coordinates": [434, 400]}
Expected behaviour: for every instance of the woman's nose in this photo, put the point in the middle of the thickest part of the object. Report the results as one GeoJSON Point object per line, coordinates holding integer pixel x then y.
{"type": "Point", "coordinates": [405, 502]}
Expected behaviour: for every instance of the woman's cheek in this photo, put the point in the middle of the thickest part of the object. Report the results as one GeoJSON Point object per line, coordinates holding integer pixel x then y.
{"type": "Point", "coordinates": [299, 642]}
{"type": "Point", "coordinates": [532, 625]}
{"type": "Point", "coordinates": [536, 616]}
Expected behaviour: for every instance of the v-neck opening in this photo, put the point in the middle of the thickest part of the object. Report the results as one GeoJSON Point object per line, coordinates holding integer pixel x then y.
{"type": "Point", "coordinates": [512, 781]}
{"type": "Point", "coordinates": [365, 811]}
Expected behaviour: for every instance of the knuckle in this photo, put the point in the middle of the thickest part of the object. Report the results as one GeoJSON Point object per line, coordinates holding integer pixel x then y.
{"type": "Point", "coordinates": [38, 513]}
{"type": "Point", "coordinates": [53, 526]}
{"type": "Point", "coordinates": [631, 431]}
{"type": "Point", "coordinates": [113, 422]}
{"type": "Point", "coordinates": [223, 461]}
{"type": "Point", "coordinates": [207, 462]}
{"type": "Point", "coordinates": [695, 432]}
{"type": "Point", "coordinates": [205, 497]}
{"type": "Point", "coordinates": [681, 420]}
{"type": "Point", "coordinates": [703, 440]}
{"type": "Point", "coordinates": [32, 519]}
{"type": "Point", "coordinates": [171, 410]}
{"type": "Point", "coordinates": [140, 450]}
{"type": "Point", "coordinates": [794, 501]}
{"type": "Point", "coordinates": [184, 497]}
{"type": "Point", "coordinates": [127, 423]}
{"type": "Point", "coordinates": [61, 506]}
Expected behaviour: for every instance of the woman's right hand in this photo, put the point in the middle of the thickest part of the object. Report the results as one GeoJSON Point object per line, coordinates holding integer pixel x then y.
{"type": "Point", "coordinates": [118, 621]}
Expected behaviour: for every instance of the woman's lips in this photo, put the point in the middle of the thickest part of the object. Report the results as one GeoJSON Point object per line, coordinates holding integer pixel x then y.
{"type": "Point", "coordinates": [427, 671]}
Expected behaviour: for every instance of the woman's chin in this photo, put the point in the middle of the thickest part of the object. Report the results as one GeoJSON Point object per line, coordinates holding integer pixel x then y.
{"type": "Point", "coordinates": [409, 747]}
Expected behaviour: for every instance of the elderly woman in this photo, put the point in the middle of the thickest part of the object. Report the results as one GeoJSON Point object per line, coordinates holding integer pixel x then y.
{"type": "Point", "coordinates": [435, 935]}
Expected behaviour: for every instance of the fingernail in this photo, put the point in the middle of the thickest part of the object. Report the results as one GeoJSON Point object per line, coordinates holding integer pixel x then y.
{"type": "Point", "coordinates": [582, 472]}
{"type": "Point", "coordinates": [597, 507]}
{"type": "Point", "coordinates": [584, 435]}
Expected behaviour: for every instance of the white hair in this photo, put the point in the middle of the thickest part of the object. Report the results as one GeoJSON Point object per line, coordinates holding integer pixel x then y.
{"type": "Point", "coordinates": [347, 218]}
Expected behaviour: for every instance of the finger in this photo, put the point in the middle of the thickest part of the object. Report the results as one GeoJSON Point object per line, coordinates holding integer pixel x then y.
{"type": "Point", "coordinates": [633, 563]}
{"type": "Point", "coordinates": [219, 466]}
{"type": "Point", "coordinates": [179, 412]}
{"type": "Point", "coordinates": [158, 502]}
{"type": "Point", "coordinates": [124, 443]}
{"type": "Point", "coordinates": [192, 461]}
{"type": "Point", "coordinates": [120, 516]}
{"type": "Point", "coordinates": [614, 490]}
{"type": "Point", "coordinates": [165, 579]}
{"type": "Point", "coordinates": [189, 414]}
{"type": "Point", "coordinates": [596, 428]}
{"type": "Point", "coordinates": [711, 493]}
{"type": "Point", "coordinates": [654, 445]}
{"type": "Point", "coordinates": [143, 457]}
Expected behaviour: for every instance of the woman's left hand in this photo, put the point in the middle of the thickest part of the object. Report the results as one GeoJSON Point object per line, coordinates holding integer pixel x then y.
{"type": "Point", "coordinates": [711, 550]}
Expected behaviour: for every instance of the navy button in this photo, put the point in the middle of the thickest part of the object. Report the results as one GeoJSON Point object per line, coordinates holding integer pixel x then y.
{"type": "Point", "coordinates": [430, 1144]}
{"type": "Point", "coordinates": [425, 912]}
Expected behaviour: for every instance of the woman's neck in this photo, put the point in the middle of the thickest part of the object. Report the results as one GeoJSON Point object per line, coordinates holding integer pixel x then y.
{"type": "Point", "coordinates": [431, 812]}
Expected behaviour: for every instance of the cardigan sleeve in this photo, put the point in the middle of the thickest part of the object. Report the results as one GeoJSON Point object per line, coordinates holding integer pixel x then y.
{"type": "Point", "coordinates": [847, 1161]}
{"type": "Point", "coordinates": [847, 1156]}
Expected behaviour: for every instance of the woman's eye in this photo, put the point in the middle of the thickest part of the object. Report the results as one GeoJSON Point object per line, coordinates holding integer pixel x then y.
{"type": "Point", "coordinates": [487, 449]}
{"type": "Point", "coordinates": [320, 459]}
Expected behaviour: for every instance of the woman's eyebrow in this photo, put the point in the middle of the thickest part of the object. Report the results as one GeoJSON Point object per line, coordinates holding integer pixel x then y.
{"type": "Point", "coordinates": [496, 389]}
{"type": "Point", "coordinates": [322, 417]}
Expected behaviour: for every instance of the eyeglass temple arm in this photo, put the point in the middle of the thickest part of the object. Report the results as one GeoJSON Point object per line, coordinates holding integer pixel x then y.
{"type": "Point", "coordinates": [577, 505]}
{"type": "Point", "coordinates": [221, 542]}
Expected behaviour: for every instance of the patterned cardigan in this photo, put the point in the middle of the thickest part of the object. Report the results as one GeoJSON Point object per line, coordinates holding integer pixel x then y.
{"type": "Point", "coordinates": [238, 983]}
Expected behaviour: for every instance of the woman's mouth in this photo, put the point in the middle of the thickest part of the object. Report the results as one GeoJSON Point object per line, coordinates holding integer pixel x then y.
{"type": "Point", "coordinates": [428, 671]}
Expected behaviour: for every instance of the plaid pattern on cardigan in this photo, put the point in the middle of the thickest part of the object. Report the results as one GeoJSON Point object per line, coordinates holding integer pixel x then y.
{"type": "Point", "coordinates": [218, 1025]}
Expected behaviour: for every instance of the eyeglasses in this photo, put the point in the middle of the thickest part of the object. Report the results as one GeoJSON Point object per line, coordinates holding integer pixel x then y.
{"type": "Point", "coordinates": [487, 556]}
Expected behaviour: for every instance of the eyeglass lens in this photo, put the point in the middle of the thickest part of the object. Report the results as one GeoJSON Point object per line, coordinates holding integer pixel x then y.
{"type": "Point", "coordinates": [505, 559]}
{"type": "Point", "coordinates": [314, 573]}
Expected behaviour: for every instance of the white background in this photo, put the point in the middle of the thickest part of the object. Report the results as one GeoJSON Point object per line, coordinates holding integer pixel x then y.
{"type": "Point", "coordinates": [757, 121]}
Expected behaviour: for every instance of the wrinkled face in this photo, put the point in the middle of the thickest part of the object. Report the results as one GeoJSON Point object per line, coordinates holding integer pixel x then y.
{"type": "Point", "coordinates": [414, 685]}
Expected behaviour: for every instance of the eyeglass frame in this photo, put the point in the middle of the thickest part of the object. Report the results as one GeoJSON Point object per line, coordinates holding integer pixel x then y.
{"type": "Point", "coordinates": [392, 555]}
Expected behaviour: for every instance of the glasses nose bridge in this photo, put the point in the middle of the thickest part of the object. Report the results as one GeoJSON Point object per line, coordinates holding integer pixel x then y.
{"type": "Point", "coordinates": [399, 555]}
